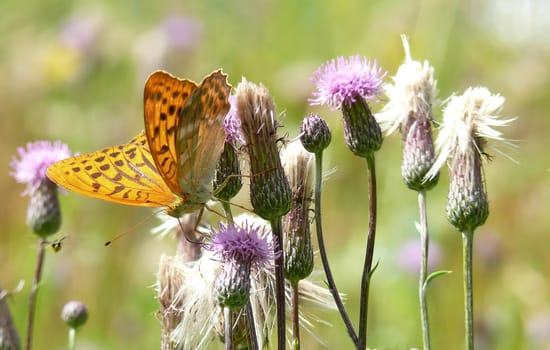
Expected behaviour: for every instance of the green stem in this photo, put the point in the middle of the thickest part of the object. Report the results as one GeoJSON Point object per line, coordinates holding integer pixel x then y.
{"type": "Point", "coordinates": [228, 330]}
{"type": "Point", "coordinates": [72, 338]}
{"type": "Point", "coordinates": [277, 229]}
{"type": "Point", "coordinates": [369, 253]}
{"type": "Point", "coordinates": [322, 250]}
{"type": "Point", "coordinates": [422, 285]}
{"type": "Point", "coordinates": [295, 317]}
{"type": "Point", "coordinates": [467, 245]}
{"type": "Point", "coordinates": [34, 291]}
{"type": "Point", "coordinates": [227, 209]}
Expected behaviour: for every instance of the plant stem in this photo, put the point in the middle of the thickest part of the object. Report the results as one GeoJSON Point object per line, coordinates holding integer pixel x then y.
{"type": "Point", "coordinates": [467, 245]}
{"type": "Point", "coordinates": [251, 327]}
{"type": "Point", "coordinates": [277, 229]}
{"type": "Point", "coordinates": [322, 251]}
{"type": "Point", "coordinates": [422, 286]}
{"type": "Point", "coordinates": [227, 209]}
{"type": "Point", "coordinates": [72, 336]}
{"type": "Point", "coordinates": [228, 330]}
{"type": "Point", "coordinates": [34, 291]}
{"type": "Point", "coordinates": [369, 252]}
{"type": "Point", "coordinates": [295, 317]}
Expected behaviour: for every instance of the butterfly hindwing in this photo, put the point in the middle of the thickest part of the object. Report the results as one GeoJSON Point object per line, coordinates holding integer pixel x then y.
{"type": "Point", "coordinates": [201, 134]}
{"type": "Point", "coordinates": [163, 98]}
{"type": "Point", "coordinates": [123, 174]}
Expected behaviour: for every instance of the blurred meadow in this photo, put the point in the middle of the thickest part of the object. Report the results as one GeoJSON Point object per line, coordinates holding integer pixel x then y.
{"type": "Point", "coordinates": [74, 71]}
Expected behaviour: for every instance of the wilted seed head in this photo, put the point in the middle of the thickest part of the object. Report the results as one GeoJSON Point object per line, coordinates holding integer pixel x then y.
{"type": "Point", "coordinates": [298, 249]}
{"type": "Point", "coordinates": [43, 213]}
{"type": "Point", "coordinates": [239, 249]}
{"type": "Point", "coordinates": [269, 190]}
{"type": "Point", "coordinates": [228, 182]}
{"type": "Point", "coordinates": [314, 133]}
{"type": "Point", "coordinates": [74, 314]}
{"type": "Point", "coordinates": [465, 135]}
{"type": "Point", "coordinates": [409, 109]}
{"type": "Point", "coordinates": [168, 286]}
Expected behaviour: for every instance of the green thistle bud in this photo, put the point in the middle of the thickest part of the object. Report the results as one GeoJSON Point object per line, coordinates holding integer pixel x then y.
{"type": "Point", "coordinates": [232, 285]}
{"type": "Point", "coordinates": [314, 134]}
{"type": "Point", "coordinates": [43, 212]}
{"type": "Point", "coordinates": [362, 133]}
{"type": "Point", "coordinates": [270, 193]}
{"type": "Point", "coordinates": [228, 182]}
{"type": "Point", "coordinates": [74, 314]}
{"type": "Point", "coordinates": [418, 155]}
{"type": "Point", "coordinates": [467, 206]}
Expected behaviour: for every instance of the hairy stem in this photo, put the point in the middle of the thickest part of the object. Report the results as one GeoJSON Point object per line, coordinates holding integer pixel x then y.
{"type": "Point", "coordinates": [467, 245]}
{"type": "Point", "coordinates": [277, 229]}
{"type": "Point", "coordinates": [34, 291]}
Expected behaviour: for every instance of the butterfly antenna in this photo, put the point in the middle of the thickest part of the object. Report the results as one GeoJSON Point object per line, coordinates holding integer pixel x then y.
{"type": "Point", "coordinates": [131, 229]}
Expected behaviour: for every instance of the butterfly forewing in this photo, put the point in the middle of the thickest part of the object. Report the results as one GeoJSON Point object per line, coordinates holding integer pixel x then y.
{"type": "Point", "coordinates": [163, 98]}
{"type": "Point", "coordinates": [201, 135]}
{"type": "Point", "coordinates": [123, 174]}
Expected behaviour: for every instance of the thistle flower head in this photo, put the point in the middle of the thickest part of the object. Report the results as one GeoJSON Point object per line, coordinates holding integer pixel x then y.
{"type": "Point", "coordinates": [410, 96]}
{"type": "Point", "coordinates": [314, 133]}
{"type": "Point", "coordinates": [30, 168]}
{"type": "Point", "coordinates": [269, 189]}
{"type": "Point", "coordinates": [409, 109]}
{"type": "Point", "coordinates": [469, 123]}
{"type": "Point", "coordinates": [232, 124]}
{"type": "Point", "coordinates": [43, 212]}
{"type": "Point", "coordinates": [74, 314]}
{"type": "Point", "coordinates": [246, 243]}
{"type": "Point", "coordinates": [227, 181]}
{"type": "Point", "coordinates": [343, 81]}
{"type": "Point", "coordinates": [468, 126]}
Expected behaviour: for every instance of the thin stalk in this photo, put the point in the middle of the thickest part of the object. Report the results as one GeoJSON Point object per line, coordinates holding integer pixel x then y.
{"type": "Point", "coordinates": [251, 327]}
{"type": "Point", "coordinates": [277, 229]}
{"type": "Point", "coordinates": [228, 330]}
{"type": "Point", "coordinates": [34, 291]}
{"type": "Point", "coordinates": [72, 338]}
{"type": "Point", "coordinates": [295, 317]}
{"type": "Point", "coordinates": [422, 286]}
{"type": "Point", "coordinates": [467, 245]}
{"type": "Point", "coordinates": [227, 209]}
{"type": "Point", "coordinates": [369, 253]}
{"type": "Point", "coordinates": [323, 252]}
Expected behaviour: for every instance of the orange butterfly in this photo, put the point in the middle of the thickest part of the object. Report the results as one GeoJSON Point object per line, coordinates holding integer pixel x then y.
{"type": "Point", "coordinates": [172, 163]}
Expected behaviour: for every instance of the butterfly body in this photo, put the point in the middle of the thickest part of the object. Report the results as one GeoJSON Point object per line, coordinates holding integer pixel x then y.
{"type": "Point", "coordinates": [172, 163]}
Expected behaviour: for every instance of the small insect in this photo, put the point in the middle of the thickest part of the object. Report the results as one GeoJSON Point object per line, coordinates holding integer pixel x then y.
{"type": "Point", "coordinates": [56, 244]}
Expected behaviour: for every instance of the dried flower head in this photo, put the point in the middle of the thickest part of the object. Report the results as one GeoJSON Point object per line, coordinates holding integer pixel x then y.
{"type": "Point", "coordinates": [298, 249]}
{"type": "Point", "coordinates": [409, 109]}
{"type": "Point", "coordinates": [269, 190]}
{"type": "Point", "coordinates": [465, 136]}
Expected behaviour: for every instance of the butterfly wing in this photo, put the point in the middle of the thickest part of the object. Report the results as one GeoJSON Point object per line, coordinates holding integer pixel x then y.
{"type": "Point", "coordinates": [123, 174]}
{"type": "Point", "coordinates": [163, 98]}
{"type": "Point", "coordinates": [201, 135]}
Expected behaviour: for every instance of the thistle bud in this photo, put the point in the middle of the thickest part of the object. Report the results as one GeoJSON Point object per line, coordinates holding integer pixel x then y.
{"type": "Point", "coordinates": [228, 182]}
{"type": "Point", "coordinates": [314, 134]}
{"type": "Point", "coordinates": [74, 314]}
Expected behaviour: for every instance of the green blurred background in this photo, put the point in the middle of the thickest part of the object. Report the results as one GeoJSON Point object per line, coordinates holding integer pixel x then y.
{"type": "Point", "coordinates": [75, 71]}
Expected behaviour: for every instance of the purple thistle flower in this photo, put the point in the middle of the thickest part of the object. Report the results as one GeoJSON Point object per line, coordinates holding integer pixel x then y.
{"type": "Point", "coordinates": [232, 124]}
{"type": "Point", "coordinates": [343, 80]}
{"type": "Point", "coordinates": [247, 243]}
{"type": "Point", "coordinates": [31, 168]}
